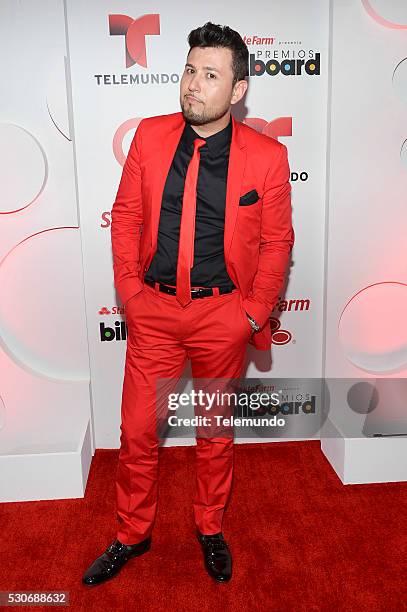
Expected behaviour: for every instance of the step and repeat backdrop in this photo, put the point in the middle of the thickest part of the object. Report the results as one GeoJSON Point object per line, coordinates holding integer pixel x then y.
{"type": "Point", "coordinates": [125, 63]}
{"type": "Point", "coordinates": [327, 79]}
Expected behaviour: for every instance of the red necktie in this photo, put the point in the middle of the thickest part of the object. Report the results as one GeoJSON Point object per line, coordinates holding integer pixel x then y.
{"type": "Point", "coordinates": [187, 228]}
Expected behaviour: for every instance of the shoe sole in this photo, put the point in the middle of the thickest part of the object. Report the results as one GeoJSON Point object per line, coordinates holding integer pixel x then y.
{"type": "Point", "coordinates": [221, 581]}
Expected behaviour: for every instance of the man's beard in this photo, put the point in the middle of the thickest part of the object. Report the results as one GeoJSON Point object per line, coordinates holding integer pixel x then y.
{"type": "Point", "coordinates": [207, 116]}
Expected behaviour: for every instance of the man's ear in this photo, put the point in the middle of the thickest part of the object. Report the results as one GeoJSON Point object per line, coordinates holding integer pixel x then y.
{"type": "Point", "coordinates": [239, 91]}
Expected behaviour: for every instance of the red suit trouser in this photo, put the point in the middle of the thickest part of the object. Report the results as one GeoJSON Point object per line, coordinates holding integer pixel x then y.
{"type": "Point", "coordinates": [213, 333]}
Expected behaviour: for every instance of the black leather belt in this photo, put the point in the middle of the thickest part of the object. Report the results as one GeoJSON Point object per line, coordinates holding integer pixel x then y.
{"type": "Point", "coordinates": [195, 293]}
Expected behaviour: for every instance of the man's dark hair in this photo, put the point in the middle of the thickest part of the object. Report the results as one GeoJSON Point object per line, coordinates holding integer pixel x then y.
{"type": "Point", "coordinates": [213, 35]}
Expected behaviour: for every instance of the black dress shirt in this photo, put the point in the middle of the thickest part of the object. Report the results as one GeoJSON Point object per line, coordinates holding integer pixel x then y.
{"type": "Point", "coordinates": [209, 268]}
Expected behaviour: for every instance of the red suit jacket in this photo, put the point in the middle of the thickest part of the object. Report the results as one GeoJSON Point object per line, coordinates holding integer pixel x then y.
{"type": "Point", "coordinates": [258, 234]}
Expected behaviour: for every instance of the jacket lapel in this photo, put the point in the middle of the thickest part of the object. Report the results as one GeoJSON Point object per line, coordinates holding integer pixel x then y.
{"type": "Point", "coordinates": [167, 152]}
{"type": "Point", "coordinates": [237, 162]}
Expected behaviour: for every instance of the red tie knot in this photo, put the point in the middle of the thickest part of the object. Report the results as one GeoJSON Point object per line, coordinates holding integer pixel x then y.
{"type": "Point", "coordinates": [198, 143]}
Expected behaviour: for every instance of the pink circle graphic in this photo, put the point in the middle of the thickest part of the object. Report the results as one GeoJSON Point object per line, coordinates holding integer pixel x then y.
{"type": "Point", "coordinates": [41, 323]}
{"type": "Point", "coordinates": [119, 136]}
{"type": "Point", "coordinates": [388, 14]}
{"type": "Point", "coordinates": [372, 328]}
{"type": "Point", "coordinates": [22, 156]}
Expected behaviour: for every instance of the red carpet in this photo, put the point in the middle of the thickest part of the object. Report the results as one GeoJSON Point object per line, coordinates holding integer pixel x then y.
{"type": "Point", "coordinates": [301, 540]}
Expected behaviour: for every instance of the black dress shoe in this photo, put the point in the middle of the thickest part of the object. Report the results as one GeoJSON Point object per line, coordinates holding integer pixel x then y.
{"type": "Point", "coordinates": [112, 560]}
{"type": "Point", "coordinates": [218, 560]}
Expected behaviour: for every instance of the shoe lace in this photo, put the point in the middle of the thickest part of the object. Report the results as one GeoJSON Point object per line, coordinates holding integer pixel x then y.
{"type": "Point", "coordinates": [114, 550]}
{"type": "Point", "coordinates": [215, 544]}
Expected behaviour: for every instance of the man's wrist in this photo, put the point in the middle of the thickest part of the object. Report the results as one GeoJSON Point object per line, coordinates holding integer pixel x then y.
{"type": "Point", "coordinates": [253, 323]}
{"type": "Point", "coordinates": [258, 310]}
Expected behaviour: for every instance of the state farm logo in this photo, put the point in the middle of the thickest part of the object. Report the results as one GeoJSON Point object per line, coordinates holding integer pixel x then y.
{"type": "Point", "coordinates": [114, 310]}
{"type": "Point", "coordinates": [258, 40]}
{"type": "Point", "coordinates": [279, 336]}
{"type": "Point", "coordinates": [283, 336]}
{"type": "Point", "coordinates": [135, 32]}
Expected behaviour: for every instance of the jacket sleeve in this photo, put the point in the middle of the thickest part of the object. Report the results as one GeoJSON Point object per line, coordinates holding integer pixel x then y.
{"type": "Point", "coordinates": [127, 223]}
{"type": "Point", "coordinates": [276, 241]}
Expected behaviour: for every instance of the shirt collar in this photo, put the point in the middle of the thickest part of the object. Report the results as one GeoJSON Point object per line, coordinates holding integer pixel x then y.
{"type": "Point", "coordinates": [215, 144]}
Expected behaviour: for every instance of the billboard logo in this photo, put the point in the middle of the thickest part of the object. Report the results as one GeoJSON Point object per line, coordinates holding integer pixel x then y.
{"type": "Point", "coordinates": [287, 67]}
{"type": "Point", "coordinates": [134, 32]}
{"type": "Point", "coordinates": [109, 334]}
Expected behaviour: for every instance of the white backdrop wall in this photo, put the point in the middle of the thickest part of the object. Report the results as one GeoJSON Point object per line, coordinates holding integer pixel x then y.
{"type": "Point", "coordinates": [45, 408]}
{"type": "Point", "coordinates": [367, 264]}
{"type": "Point", "coordinates": [109, 99]}
{"type": "Point", "coordinates": [61, 167]}
{"type": "Point", "coordinates": [366, 288]}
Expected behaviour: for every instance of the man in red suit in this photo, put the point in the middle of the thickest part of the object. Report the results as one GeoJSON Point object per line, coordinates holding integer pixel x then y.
{"type": "Point", "coordinates": [201, 238]}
